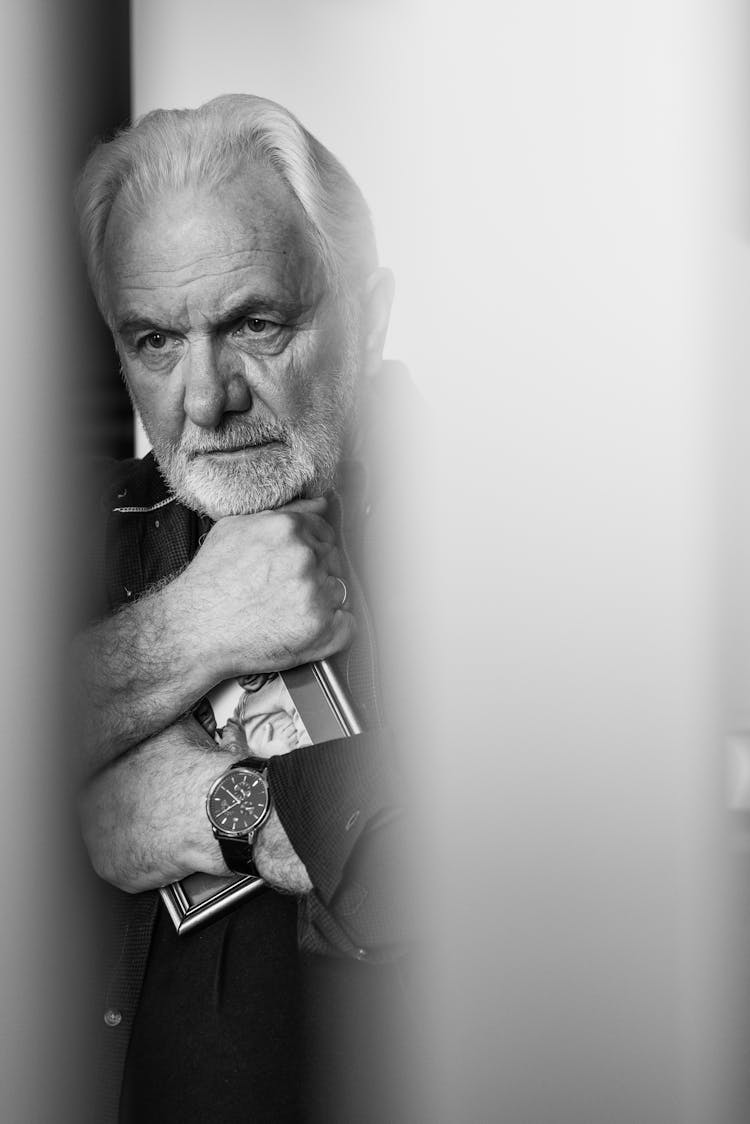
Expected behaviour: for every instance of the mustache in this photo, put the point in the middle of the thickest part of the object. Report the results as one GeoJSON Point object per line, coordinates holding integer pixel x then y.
{"type": "Point", "coordinates": [232, 435]}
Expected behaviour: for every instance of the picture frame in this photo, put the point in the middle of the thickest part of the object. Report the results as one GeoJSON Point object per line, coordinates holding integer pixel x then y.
{"type": "Point", "coordinates": [327, 712]}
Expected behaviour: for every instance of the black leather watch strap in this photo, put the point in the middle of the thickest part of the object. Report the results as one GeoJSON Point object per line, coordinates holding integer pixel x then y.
{"type": "Point", "coordinates": [238, 853]}
{"type": "Point", "coordinates": [260, 764]}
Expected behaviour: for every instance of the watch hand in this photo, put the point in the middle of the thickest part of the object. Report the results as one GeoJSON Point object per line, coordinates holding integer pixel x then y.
{"type": "Point", "coordinates": [232, 805]}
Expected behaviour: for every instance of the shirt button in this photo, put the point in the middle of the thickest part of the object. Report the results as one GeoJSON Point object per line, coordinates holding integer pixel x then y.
{"type": "Point", "coordinates": [112, 1017]}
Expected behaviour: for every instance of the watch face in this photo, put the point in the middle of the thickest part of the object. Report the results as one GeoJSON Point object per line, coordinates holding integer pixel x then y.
{"type": "Point", "coordinates": [238, 801]}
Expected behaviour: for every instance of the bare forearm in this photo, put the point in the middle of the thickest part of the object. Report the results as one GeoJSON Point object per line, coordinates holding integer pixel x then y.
{"type": "Point", "coordinates": [143, 817]}
{"type": "Point", "coordinates": [134, 674]}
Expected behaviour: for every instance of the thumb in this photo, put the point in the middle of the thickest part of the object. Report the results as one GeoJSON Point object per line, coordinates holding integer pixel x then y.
{"type": "Point", "coordinates": [314, 506]}
{"type": "Point", "coordinates": [233, 739]}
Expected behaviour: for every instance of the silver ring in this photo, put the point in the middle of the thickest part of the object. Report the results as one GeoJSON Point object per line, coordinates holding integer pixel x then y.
{"type": "Point", "coordinates": [346, 592]}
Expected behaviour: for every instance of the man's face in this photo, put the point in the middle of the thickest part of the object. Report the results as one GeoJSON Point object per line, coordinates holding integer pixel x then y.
{"type": "Point", "coordinates": [238, 358]}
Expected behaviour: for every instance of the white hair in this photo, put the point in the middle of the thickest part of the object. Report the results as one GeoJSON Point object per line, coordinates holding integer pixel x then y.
{"type": "Point", "coordinates": [179, 148]}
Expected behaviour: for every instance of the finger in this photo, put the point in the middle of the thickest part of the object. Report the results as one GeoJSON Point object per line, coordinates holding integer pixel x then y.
{"type": "Point", "coordinates": [345, 627]}
{"type": "Point", "coordinates": [317, 505]}
{"type": "Point", "coordinates": [233, 739]}
{"type": "Point", "coordinates": [330, 562]}
{"type": "Point", "coordinates": [327, 560]}
{"type": "Point", "coordinates": [319, 530]}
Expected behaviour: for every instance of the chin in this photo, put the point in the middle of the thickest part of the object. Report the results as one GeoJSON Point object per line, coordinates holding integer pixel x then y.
{"type": "Point", "coordinates": [267, 482]}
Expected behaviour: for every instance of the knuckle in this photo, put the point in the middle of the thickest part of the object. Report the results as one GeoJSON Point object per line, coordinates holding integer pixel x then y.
{"type": "Point", "coordinates": [290, 523]}
{"type": "Point", "coordinates": [316, 616]}
{"type": "Point", "coordinates": [304, 558]}
{"type": "Point", "coordinates": [280, 525]}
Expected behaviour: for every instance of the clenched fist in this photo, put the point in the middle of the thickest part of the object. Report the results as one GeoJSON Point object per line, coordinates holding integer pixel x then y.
{"type": "Point", "coordinates": [263, 592]}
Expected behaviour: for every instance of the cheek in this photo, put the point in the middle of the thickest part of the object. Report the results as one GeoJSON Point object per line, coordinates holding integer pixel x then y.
{"type": "Point", "coordinates": [158, 403]}
{"type": "Point", "coordinates": [319, 367]}
{"type": "Point", "coordinates": [285, 383]}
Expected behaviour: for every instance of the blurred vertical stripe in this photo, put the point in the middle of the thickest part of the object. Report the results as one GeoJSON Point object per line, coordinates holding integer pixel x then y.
{"type": "Point", "coordinates": [64, 77]}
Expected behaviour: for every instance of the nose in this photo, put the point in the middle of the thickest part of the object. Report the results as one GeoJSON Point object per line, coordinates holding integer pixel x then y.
{"type": "Point", "coordinates": [214, 384]}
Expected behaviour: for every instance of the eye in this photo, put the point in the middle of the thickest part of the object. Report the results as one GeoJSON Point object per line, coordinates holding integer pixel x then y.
{"type": "Point", "coordinates": [265, 333]}
{"type": "Point", "coordinates": [156, 349]}
{"type": "Point", "coordinates": [154, 341]}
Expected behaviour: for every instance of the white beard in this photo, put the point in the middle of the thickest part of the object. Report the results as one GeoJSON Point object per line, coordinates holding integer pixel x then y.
{"type": "Point", "coordinates": [302, 463]}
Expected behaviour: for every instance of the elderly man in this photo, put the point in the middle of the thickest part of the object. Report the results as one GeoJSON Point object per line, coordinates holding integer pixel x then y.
{"type": "Point", "coordinates": [233, 260]}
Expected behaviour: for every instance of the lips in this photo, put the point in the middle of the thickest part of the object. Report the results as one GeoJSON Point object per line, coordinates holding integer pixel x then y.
{"type": "Point", "coordinates": [235, 449]}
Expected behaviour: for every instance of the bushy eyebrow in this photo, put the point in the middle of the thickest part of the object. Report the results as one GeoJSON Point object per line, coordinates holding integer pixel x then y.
{"type": "Point", "coordinates": [134, 324]}
{"type": "Point", "coordinates": [251, 305]}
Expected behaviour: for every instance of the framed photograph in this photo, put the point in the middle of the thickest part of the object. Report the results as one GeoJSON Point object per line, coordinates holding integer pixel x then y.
{"type": "Point", "coordinates": [315, 699]}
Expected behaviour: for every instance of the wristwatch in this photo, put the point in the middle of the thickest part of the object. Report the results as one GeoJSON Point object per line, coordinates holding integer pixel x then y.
{"type": "Point", "coordinates": [238, 803]}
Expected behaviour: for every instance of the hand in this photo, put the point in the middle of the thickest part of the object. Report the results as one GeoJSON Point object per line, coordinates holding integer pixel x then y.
{"type": "Point", "coordinates": [262, 593]}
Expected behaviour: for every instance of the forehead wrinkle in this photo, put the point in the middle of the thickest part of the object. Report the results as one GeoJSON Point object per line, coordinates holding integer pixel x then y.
{"type": "Point", "coordinates": [206, 257]}
{"type": "Point", "coordinates": [154, 270]}
{"type": "Point", "coordinates": [147, 280]}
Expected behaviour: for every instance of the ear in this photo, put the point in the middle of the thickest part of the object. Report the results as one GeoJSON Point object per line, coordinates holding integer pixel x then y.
{"type": "Point", "coordinates": [376, 312]}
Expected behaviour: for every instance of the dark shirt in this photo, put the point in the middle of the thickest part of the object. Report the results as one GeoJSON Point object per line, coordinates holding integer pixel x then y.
{"type": "Point", "coordinates": [243, 1019]}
